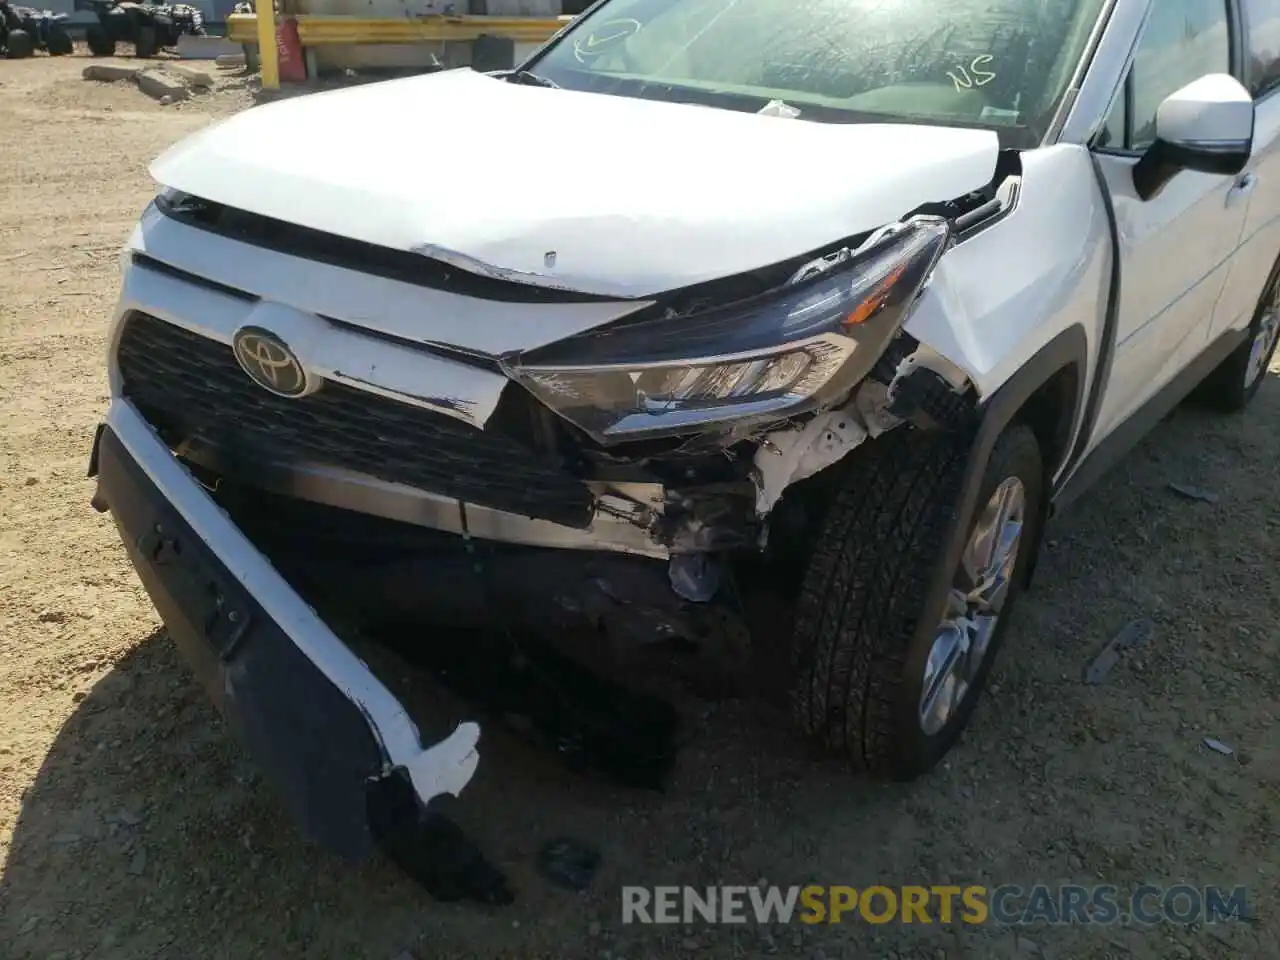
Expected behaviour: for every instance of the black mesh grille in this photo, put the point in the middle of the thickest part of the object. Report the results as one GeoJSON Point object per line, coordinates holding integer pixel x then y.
{"type": "Point", "coordinates": [189, 386]}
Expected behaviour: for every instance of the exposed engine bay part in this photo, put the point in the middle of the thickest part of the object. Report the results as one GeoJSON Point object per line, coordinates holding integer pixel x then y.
{"type": "Point", "coordinates": [695, 576]}
{"type": "Point", "coordinates": [789, 456]}
{"type": "Point", "coordinates": [925, 388]}
{"type": "Point", "coordinates": [605, 611]}
{"type": "Point", "coordinates": [709, 518]}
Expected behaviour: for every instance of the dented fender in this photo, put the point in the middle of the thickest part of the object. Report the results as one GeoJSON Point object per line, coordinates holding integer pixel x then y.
{"type": "Point", "coordinates": [1000, 295]}
{"type": "Point", "coordinates": [1036, 276]}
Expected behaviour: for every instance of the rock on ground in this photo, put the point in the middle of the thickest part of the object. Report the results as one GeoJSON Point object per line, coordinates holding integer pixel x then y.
{"type": "Point", "coordinates": [159, 85]}
{"type": "Point", "coordinates": [110, 72]}
{"type": "Point", "coordinates": [193, 76]}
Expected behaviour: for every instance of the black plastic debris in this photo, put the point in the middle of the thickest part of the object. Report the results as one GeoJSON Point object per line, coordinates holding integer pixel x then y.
{"type": "Point", "coordinates": [430, 847]}
{"type": "Point", "coordinates": [568, 863]}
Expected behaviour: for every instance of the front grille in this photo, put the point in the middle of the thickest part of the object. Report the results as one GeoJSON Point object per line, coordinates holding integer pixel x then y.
{"type": "Point", "coordinates": [191, 387]}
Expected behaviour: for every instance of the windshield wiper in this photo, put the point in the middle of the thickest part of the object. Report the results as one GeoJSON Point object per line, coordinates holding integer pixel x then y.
{"type": "Point", "coordinates": [528, 78]}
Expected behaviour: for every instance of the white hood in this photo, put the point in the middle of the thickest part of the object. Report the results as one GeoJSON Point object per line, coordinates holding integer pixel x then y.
{"type": "Point", "coordinates": [586, 191]}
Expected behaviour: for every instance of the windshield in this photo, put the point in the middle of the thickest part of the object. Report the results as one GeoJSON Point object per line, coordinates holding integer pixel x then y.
{"type": "Point", "coordinates": [998, 64]}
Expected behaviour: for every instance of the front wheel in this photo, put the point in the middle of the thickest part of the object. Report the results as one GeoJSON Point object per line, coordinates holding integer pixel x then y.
{"type": "Point", "coordinates": [879, 678]}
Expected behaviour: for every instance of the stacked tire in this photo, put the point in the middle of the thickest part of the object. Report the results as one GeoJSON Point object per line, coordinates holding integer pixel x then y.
{"type": "Point", "coordinates": [18, 44]}
{"type": "Point", "coordinates": [58, 41]}
{"type": "Point", "coordinates": [24, 30]}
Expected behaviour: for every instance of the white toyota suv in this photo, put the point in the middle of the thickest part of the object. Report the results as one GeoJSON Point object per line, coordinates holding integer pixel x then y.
{"type": "Point", "coordinates": [708, 310]}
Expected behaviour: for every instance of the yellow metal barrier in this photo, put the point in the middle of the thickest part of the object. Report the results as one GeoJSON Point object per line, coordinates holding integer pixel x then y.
{"type": "Point", "coordinates": [268, 52]}
{"type": "Point", "coordinates": [315, 31]}
{"type": "Point", "coordinates": [242, 28]}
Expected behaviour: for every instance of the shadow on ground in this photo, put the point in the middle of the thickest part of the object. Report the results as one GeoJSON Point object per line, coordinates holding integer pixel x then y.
{"type": "Point", "coordinates": [144, 800]}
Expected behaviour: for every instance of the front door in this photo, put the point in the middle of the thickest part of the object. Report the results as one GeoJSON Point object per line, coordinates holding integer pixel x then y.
{"type": "Point", "coordinates": [1175, 248]}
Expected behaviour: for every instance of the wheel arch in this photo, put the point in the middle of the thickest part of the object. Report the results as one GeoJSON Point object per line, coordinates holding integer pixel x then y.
{"type": "Point", "coordinates": [1054, 408]}
{"type": "Point", "coordinates": [1047, 393]}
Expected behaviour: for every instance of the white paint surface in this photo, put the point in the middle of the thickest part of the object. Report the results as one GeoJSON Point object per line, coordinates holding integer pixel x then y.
{"type": "Point", "coordinates": [997, 298]}
{"type": "Point", "coordinates": [632, 196]}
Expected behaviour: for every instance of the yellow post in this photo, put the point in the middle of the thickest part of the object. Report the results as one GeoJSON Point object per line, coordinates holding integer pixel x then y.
{"type": "Point", "coordinates": [268, 52]}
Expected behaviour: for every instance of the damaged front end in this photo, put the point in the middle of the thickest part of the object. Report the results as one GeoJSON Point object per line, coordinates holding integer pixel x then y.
{"type": "Point", "coordinates": [618, 491]}
{"type": "Point", "coordinates": [613, 492]}
{"type": "Point", "coordinates": [715, 411]}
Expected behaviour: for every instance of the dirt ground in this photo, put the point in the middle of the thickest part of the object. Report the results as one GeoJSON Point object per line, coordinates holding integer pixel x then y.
{"type": "Point", "coordinates": [131, 826]}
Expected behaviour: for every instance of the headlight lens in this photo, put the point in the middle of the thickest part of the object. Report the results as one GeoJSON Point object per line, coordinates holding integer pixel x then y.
{"type": "Point", "coordinates": [753, 361]}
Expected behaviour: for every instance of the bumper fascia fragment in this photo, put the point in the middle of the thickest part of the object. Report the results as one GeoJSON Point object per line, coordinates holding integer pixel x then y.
{"type": "Point", "coordinates": [323, 728]}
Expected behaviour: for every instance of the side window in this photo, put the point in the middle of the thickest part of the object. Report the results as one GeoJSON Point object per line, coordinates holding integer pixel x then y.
{"type": "Point", "coordinates": [1184, 40]}
{"type": "Point", "coordinates": [1264, 46]}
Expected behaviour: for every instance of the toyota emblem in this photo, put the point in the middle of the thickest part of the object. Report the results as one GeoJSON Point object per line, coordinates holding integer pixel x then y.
{"type": "Point", "coordinates": [269, 362]}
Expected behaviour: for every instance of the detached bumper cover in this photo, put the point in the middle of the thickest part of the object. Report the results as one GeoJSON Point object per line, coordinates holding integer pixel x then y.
{"type": "Point", "coordinates": [320, 724]}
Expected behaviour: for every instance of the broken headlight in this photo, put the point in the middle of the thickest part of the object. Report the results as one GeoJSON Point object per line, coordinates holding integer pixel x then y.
{"type": "Point", "coordinates": [757, 360]}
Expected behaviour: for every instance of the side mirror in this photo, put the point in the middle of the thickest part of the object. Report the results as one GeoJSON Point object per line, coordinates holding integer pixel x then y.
{"type": "Point", "coordinates": [1207, 126]}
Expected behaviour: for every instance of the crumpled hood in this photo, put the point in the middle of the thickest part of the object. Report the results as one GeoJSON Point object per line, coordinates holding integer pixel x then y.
{"type": "Point", "coordinates": [598, 193]}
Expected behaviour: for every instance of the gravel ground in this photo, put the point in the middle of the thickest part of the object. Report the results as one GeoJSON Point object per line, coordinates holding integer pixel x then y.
{"type": "Point", "coordinates": [131, 826]}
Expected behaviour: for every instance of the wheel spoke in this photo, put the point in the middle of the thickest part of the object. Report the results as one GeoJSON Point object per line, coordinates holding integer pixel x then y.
{"type": "Point", "coordinates": [943, 673]}
{"type": "Point", "coordinates": [977, 597]}
{"type": "Point", "coordinates": [1263, 342]}
{"type": "Point", "coordinates": [984, 543]}
{"type": "Point", "coordinates": [977, 554]}
{"type": "Point", "coordinates": [997, 578]}
{"type": "Point", "coordinates": [984, 628]}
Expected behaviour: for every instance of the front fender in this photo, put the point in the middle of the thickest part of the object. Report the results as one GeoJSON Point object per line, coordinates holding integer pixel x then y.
{"type": "Point", "coordinates": [999, 297]}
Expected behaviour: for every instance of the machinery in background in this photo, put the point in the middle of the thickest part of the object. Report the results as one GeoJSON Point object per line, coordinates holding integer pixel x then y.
{"type": "Point", "coordinates": [25, 30]}
{"type": "Point", "coordinates": [149, 27]}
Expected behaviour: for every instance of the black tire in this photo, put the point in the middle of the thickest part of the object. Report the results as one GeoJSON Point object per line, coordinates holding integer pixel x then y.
{"type": "Point", "coordinates": [862, 635]}
{"type": "Point", "coordinates": [99, 41]}
{"type": "Point", "coordinates": [147, 43]}
{"type": "Point", "coordinates": [59, 43]}
{"type": "Point", "coordinates": [19, 45]}
{"type": "Point", "coordinates": [1229, 388]}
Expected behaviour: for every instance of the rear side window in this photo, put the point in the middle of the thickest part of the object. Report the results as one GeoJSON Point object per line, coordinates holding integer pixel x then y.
{"type": "Point", "coordinates": [1264, 46]}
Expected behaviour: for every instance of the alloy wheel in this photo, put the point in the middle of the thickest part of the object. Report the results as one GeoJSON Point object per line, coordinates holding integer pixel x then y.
{"type": "Point", "coordinates": [976, 600]}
